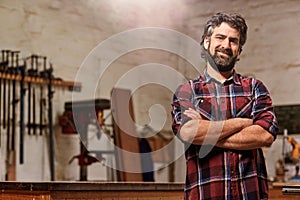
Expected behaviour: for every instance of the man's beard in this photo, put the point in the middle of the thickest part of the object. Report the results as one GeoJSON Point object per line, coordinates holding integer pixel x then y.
{"type": "Point", "coordinates": [223, 64]}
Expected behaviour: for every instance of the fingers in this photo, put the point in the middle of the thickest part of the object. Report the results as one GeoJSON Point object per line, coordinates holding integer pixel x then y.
{"type": "Point", "coordinates": [192, 113]}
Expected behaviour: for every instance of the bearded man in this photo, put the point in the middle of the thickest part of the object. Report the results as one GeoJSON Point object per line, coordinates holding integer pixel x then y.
{"type": "Point", "coordinates": [224, 119]}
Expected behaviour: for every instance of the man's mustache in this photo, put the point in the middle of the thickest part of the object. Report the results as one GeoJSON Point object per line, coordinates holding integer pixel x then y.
{"type": "Point", "coordinates": [226, 51]}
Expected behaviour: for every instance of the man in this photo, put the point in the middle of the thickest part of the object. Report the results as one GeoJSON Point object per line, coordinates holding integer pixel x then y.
{"type": "Point", "coordinates": [224, 119]}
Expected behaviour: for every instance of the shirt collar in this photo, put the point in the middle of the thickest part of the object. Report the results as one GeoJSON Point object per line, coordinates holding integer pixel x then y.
{"type": "Point", "coordinates": [235, 77]}
{"type": "Point", "coordinates": [206, 77]}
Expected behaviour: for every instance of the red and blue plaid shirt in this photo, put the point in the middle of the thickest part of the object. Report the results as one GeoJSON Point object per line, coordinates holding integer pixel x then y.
{"type": "Point", "coordinates": [225, 173]}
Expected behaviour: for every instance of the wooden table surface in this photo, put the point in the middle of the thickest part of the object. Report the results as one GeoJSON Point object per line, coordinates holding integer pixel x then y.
{"type": "Point", "coordinates": [114, 190]}
{"type": "Point", "coordinates": [90, 190]}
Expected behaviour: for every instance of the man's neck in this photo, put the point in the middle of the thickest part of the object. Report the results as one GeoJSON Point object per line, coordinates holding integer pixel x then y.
{"type": "Point", "coordinates": [219, 76]}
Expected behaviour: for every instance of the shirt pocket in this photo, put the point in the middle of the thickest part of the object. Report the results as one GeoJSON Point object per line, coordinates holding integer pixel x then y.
{"type": "Point", "coordinates": [243, 106]}
{"type": "Point", "coordinates": [206, 106]}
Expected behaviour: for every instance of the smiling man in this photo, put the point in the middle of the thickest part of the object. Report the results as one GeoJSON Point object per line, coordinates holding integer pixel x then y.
{"type": "Point", "coordinates": [224, 119]}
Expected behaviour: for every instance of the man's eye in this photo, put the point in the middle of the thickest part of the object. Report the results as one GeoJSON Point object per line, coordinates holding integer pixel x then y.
{"type": "Point", "coordinates": [234, 41]}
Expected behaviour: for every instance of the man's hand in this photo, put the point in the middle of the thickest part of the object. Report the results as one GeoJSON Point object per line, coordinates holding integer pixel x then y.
{"type": "Point", "coordinates": [192, 114]}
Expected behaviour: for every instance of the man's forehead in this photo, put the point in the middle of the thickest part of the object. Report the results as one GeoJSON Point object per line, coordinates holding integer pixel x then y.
{"type": "Point", "coordinates": [225, 28]}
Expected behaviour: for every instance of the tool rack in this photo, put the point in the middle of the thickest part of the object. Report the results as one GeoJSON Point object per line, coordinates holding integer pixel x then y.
{"type": "Point", "coordinates": [27, 77]}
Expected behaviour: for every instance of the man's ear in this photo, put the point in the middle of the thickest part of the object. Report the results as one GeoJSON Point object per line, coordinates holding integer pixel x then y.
{"type": "Point", "coordinates": [239, 54]}
{"type": "Point", "coordinates": [240, 51]}
{"type": "Point", "coordinates": [206, 43]}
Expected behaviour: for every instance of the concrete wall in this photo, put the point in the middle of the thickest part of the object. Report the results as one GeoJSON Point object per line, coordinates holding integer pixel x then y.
{"type": "Point", "coordinates": [68, 32]}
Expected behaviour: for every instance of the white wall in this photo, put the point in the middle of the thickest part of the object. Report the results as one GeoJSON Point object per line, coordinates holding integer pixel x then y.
{"type": "Point", "coordinates": [67, 31]}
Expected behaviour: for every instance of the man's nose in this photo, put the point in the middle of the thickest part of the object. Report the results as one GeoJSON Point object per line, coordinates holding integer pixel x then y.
{"type": "Point", "coordinates": [226, 43]}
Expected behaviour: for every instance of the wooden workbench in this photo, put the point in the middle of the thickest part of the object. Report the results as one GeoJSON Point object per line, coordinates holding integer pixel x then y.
{"type": "Point", "coordinates": [276, 191]}
{"type": "Point", "coordinates": [90, 190]}
{"type": "Point", "coordinates": [112, 190]}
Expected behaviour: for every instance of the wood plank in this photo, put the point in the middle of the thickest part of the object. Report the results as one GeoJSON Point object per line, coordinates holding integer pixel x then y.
{"type": "Point", "coordinates": [11, 166]}
{"type": "Point", "coordinates": [126, 139]}
{"type": "Point", "coordinates": [24, 195]}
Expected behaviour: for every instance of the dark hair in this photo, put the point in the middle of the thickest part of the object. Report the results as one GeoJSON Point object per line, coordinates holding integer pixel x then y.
{"type": "Point", "coordinates": [234, 20]}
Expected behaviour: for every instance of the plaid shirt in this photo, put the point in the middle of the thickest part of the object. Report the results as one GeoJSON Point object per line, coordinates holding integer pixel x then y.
{"type": "Point", "coordinates": [225, 173]}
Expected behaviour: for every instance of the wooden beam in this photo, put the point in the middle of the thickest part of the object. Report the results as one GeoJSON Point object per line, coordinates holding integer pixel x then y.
{"type": "Point", "coordinates": [72, 86]}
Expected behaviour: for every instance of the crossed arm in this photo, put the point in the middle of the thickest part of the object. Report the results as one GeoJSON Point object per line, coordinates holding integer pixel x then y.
{"type": "Point", "coordinates": [235, 133]}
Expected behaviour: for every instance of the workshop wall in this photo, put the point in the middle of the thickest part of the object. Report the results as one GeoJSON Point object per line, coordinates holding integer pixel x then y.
{"type": "Point", "coordinates": [71, 33]}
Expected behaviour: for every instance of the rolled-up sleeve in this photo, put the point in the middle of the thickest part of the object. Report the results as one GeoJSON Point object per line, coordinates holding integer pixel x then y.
{"type": "Point", "coordinates": [263, 110]}
{"type": "Point", "coordinates": [182, 100]}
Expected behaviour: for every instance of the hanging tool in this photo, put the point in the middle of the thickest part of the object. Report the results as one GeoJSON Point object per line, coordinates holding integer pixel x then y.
{"type": "Point", "coordinates": [3, 65]}
{"type": "Point", "coordinates": [6, 56]}
{"type": "Point", "coordinates": [34, 125]}
{"type": "Point", "coordinates": [7, 103]}
{"type": "Point", "coordinates": [11, 119]}
{"type": "Point", "coordinates": [22, 70]}
{"type": "Point", "coordinates": [50, 122]}
{"type": "Point", "coordinates": [9, 72]}
{"type": "Point", "coordinates": [32, 73]}
{"type": "Point", "coordinates": [3, 62]}
{"type": "Point", "coordinates": [42, 99]}
{"type": "Point", "coordinates": [11, 154]}
{"type": "Point", "coordinates": [15, 71]}
{"type": "Point", "coordinates": [29, 71]}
